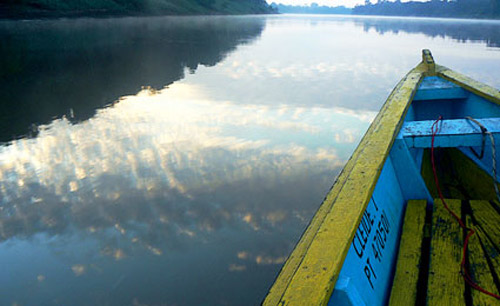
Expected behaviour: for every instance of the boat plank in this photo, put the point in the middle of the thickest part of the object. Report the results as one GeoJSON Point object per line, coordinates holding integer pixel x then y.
{"type": "Point", "coordinates": [480, 270]}
{"type": "Point", "coordinates": [491, 251]}
{"type": "Point", "coordinates": [404, 290]}
{"type": "Point", "coordinates": [488, 219]}
{"type": "Point", "coordinates": [457, 169]}
{"type": "Point", "coordinates": [446, 286]}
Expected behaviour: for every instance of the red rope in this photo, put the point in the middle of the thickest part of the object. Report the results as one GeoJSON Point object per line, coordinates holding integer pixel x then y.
{"type": "Point", "coordinates": [470, 232]}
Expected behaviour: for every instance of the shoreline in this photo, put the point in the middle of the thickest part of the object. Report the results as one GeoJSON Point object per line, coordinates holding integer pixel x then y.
{"type": "Point", "coordinates": [103, 14]}
{"type": "Point", "coordinates": [16, 12]}
{"type": "Point", "coordinates": [53, 16]}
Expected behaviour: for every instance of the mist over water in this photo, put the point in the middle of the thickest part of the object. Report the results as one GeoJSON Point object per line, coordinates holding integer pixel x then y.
{"type": "Point", "coordinates": [52, 67]}
{"type": "Point", "coordinates": [194, 189]}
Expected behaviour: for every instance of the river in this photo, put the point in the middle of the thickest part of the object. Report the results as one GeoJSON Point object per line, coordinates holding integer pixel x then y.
{"type": "Point", "coordinates": [177, 160]}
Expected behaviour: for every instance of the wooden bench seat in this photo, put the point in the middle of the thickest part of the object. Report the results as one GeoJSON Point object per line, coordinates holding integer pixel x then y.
{"type": "Point", "coordinates": [404, 291]}
{"type": "Point", "coordinates": [428, 270]}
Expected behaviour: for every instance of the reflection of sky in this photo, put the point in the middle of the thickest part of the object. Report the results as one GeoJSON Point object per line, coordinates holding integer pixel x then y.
{"type": "Point", "coordinates": [173, 138]}
{"type": "Point", "coordinates": [332, 61]}
{"type": "Point", "coordinates": [161, 172]}
{"type": "Point", "coordinates": [207, 184]}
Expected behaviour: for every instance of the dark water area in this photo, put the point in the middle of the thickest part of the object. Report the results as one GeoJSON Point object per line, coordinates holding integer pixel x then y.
{"type": "Point", "coordinates": [177, 161]}
{"type": "Point", "coordinates": [72, 67]}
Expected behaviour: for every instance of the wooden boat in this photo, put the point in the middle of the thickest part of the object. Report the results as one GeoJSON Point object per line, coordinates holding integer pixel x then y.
{"type": "Point", "coordinates": [382, 234]}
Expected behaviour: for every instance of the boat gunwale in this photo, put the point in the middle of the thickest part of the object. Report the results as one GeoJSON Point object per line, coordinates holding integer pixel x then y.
{"type": "Point", "coordinates": [485, 91]}
{"type": "Point", "coordinates": [290, 277]}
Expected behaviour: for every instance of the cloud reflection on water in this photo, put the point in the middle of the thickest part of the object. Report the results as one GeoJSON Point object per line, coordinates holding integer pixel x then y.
{"type": "Point", "coordinates": [349, 62]}
{"type": "Point", "coordinates": [169, 166]}
{"type": "Point", "coordinates": [165, 180]}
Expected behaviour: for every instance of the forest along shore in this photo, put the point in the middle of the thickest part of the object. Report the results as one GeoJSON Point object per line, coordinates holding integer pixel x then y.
{"type": "Point", "coordinates": [30, 9]}
{"type": "Point", "coordinates": [477, 9]}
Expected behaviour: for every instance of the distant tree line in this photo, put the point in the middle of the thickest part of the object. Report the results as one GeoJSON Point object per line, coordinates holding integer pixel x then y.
{"type": "Point", "coordinates": [68, 8]}
{"type": "Point", "coordinates": [487, 33]}
{"type": "Point", "coordinates": [433, 8]}
{"type": "Point", "coordinates": [314, 8]}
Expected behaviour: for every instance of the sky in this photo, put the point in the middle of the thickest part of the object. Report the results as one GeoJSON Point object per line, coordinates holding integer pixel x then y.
{"type": "Point", "coordinates": [348, 3]}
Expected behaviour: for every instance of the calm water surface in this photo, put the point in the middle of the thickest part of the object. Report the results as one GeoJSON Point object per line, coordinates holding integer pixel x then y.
{"type": "Point", "coordinates": [176, 161]}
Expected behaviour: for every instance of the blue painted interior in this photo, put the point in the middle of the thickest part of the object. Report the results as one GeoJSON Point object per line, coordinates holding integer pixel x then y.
{"type": "Point", "coordinates": [432, 88]}
{"type": "Point", "coordinates": [436, 83]}
{"type": "Point", "coordinates": [477, 108]}
{"type": "Point", "coordinates": [360, 283]}
{"type": "Point", "coordinates": [437, 96]}
{"type": "Point", "coordinates": [408, 172]}
{"type": "Point", "coordinates": [410, 114]}
{"type": "Point", "coordinates": [418, 155]}
{"type": "Point", "coordinates": [431, 109]}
